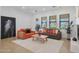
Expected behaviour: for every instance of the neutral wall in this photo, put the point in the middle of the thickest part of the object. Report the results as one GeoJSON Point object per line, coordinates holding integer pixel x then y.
{"type": "Point", "coordinates": [22, 19]}
{"type": "Point", "coordinates": [0, 27]}
{"type": "Point", "coordinates": [62, 10]}
{"type": "Point", "coordinates": [77, 21]}
{"type": "Point", "coordinates": [0, 23]}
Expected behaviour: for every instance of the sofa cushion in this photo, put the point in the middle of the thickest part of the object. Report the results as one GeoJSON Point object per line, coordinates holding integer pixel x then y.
{"type": "Point", "coordinates": [27, 30]}
{"type": "Point", "coordinates": [23, 35]}
{"type": "Point", "coordinates": [44, 30]}
{"type": "Point", "coordinates": [52, 31]}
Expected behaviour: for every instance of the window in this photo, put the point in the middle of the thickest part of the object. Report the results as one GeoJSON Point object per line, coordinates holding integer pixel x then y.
{"type": "Point", "coordinates": [44, 22]}
{"type": "Point", "coordinates": [52, 22]}
{"type": "Point", "coordinates": [64, 21]}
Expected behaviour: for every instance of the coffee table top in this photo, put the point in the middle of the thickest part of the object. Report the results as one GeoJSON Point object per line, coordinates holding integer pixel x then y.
{"type": "Point", "coordinates": [41, 36]}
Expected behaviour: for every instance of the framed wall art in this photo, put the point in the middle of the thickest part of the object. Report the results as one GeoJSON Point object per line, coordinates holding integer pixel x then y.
{"type": "Point", "coordinates": [8, 27]}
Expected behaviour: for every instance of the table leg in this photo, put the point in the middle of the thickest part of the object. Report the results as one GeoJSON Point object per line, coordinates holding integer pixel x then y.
{"type": "Point", "coordinates": [46, 39]}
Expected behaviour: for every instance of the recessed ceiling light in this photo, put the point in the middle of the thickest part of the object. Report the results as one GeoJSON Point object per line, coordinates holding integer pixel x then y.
{"type": "Point", "coordinates": [36, 10]}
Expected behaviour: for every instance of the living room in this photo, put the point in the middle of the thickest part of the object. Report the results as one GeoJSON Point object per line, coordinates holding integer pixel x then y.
{"type": "Point", "coordinates": [26, 17]}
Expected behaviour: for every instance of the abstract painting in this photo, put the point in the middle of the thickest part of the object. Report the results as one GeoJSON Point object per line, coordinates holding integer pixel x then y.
{"type": "Point", "coordinates": [8, 27]}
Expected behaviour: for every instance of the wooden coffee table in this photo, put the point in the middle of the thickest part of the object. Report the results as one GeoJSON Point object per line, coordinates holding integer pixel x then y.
{"type": "Point", "coordinates": [42, 38]}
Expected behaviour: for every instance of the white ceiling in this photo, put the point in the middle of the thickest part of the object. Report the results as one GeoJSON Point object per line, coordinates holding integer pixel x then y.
{"type": "Point", "coordinates": [36, 9]}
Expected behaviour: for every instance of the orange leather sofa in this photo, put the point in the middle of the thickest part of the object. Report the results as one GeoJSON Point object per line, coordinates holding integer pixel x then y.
{"type": "Point", "coordinates": [22, 34]}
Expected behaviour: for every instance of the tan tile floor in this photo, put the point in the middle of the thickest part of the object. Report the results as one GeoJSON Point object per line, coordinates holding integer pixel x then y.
{"type": "Point", "coordinates": [6, 46]}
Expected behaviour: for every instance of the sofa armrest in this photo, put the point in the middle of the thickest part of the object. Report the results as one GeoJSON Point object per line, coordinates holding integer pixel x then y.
{"type": "Point", "coordinates": [20, 34]}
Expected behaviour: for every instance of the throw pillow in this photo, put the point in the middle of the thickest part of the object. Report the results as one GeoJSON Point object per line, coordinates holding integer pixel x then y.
{"type": "Point", "coordinates": [27, 30]}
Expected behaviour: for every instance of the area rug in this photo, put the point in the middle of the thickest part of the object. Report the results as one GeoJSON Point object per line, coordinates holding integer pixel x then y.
{"type": "Point", "coordinates": [51, 46]}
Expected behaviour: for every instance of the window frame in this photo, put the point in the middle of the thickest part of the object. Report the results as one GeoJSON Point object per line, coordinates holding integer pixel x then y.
{"type": "Point", "coordinates": [52, 20]}
{"type": "Point", "coordinates": [64, 20]}
{"type": "Point", "coordinates": [42, 19]}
